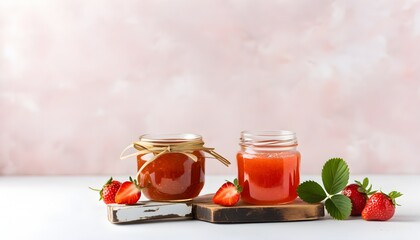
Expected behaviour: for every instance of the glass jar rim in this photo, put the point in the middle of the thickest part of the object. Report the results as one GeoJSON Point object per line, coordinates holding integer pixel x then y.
{"type": "Point", "coordinates": [170, 138]}
{"type": "Point", "coordinates": [274, 138]}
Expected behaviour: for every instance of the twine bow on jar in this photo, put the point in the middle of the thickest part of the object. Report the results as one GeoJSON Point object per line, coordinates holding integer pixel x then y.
{"type": "Point", "coordinates": [158, 148]}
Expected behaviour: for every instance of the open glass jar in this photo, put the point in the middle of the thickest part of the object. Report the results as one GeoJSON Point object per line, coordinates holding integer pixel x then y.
{"type": "Point", "coordinates": [268, 167]}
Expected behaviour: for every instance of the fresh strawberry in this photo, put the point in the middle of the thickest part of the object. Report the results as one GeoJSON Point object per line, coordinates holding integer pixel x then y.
{"type": "Point", "coordinates": [228, 194]}
{"type": "Point", "coordinates": [108, 191]}
{"type": "Point", "coordinates": [358, 193]}
{"type": "Point", "coordinates": [129, 192]}
{"type": "Point", "coordinates": [380, 206]}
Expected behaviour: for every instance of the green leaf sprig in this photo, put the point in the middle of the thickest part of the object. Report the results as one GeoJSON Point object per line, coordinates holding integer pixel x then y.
{"type": "Point", "coordinates": [335, 176]}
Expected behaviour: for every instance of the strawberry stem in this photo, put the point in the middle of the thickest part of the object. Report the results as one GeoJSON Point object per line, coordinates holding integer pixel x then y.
{"type": "Point", "coordinates": [94, 189]}
{"type": "Point", "coordinates": [236, 184]}
{"type": "Point", "coordinates": [101, 190]}
{"type": "Point", "coordinates": [393, 195]}
{"type": "Point", "coordinates": [364, 187]}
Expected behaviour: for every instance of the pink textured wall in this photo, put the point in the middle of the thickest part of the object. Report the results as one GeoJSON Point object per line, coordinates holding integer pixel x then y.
{"type": "Point", "coordinates": [79, 80]}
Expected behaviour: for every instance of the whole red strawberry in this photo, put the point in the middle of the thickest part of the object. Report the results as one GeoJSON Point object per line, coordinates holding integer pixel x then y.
{"type": "Point", "coordinates": [108, 191]}
{"type": "Point", "coordinates": [380, 206]}
{"type": "Point", "coordinates": [228, 194]}
{"type": "Point", "coordinates": [129, 192]}
{"type": "Point", "coordinates": [358, 193]}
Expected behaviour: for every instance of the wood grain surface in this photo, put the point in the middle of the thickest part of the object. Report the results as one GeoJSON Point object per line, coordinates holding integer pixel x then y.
{"type": "Point", "coordinates": [205, 210]}
{"type": "Point", "coordinates": [202, 208]}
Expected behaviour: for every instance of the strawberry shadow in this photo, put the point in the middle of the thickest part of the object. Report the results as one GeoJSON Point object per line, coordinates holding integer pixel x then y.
{"type": "Point", "coordinates": [405, 218]}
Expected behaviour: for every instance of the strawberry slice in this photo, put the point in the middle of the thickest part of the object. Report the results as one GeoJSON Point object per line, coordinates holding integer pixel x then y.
{"type": "Point", "coordinates": [228, 194]}
{"type": "Point", "coordinates": [129, 193]}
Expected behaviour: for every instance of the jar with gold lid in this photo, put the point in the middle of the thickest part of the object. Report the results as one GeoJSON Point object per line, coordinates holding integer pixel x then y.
{"type": "Point", "coordinates": [171, 167]}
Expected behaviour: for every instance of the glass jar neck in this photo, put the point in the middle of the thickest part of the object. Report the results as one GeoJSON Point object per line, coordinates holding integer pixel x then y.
{"type": "Point", "coordinates": [268, 140]}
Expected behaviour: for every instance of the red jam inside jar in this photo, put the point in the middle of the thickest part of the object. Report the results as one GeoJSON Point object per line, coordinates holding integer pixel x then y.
{"type": "Point", "coordinates": [268, 167]}
{"type": "Point", "coordinates": [172, 175]}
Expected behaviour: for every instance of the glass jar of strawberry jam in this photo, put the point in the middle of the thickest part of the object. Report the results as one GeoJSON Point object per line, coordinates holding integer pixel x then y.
{"type": "Point", "coordinates": [172, 166]}
{"type": "Point", "coordinates": [268, 167]}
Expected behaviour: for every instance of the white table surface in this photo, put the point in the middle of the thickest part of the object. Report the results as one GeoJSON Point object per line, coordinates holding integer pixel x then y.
{"type": "Point", "coordinates": [62, 207]}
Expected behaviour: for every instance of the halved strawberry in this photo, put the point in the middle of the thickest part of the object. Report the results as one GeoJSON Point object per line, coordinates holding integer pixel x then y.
{"type": "Point", "coordinates": [129, 192]}
{"type": "Point", "coordinates": [228, 194]}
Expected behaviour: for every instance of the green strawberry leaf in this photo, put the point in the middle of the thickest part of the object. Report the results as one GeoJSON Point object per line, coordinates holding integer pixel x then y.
{"type": "Point", "coordinates": [365, 182]}
{"type": "Point", "coordinates": [335, 175]}
{"type": "Point", "coordinates": [393, 195]}
{"type": "Point", "coordinates": [365, 188]}
{"type": "Point", "coordinates": [338, 206]}
{"type": "Point", "coordinates": [311, 192]}
{"type": "Point", "coordinates": [238, 187]}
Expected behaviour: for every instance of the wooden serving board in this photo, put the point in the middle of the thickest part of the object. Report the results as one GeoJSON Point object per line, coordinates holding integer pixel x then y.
{"type": "Point", "coordinates": [202, 208]}
{"type": "Point", "coordinates": [149, 211]}
{"type": "Point", "coordinates": [298, 210]}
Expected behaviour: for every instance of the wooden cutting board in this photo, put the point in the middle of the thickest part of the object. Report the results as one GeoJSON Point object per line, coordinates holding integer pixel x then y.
{"type": "Point", "coordinates": [202, 208]}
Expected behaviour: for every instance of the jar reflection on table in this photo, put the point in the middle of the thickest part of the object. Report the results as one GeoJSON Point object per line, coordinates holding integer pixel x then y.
{"type": "Point", "coordinates": [268, 167]}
